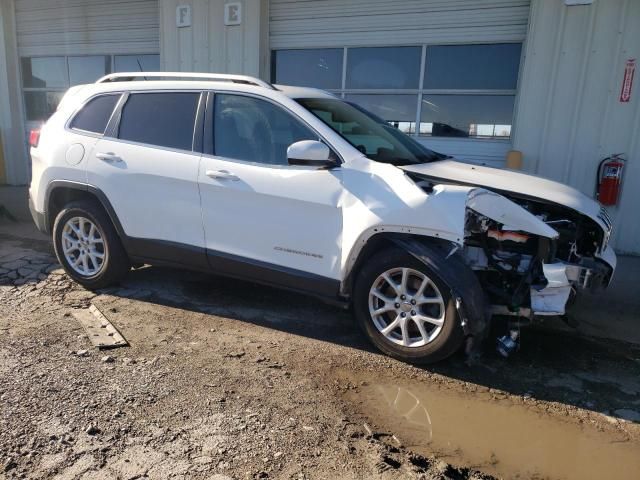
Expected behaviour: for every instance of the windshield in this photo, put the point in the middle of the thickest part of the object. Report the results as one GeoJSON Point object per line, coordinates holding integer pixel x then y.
{"type": "Point", "coordinates": [368, 133]}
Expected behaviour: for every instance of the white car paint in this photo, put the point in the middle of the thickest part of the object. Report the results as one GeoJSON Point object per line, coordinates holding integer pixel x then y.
{"type": "Point", "coordinates": [510, 181]}
{"type": "Point", "coordinates": [512, 216]}
{"type": "Point", "coordinates": [310, 149]}
{"type": "Point", "coordinates": [48, 161]}
{"type": "Point", "coordinates": [153, 190]}
{"type": "Point", "coordinates": [533, 186]}
{"type": "Point", "coordinates": [267, 212]}
{"type": "Point", "coordinates": [298, 217]}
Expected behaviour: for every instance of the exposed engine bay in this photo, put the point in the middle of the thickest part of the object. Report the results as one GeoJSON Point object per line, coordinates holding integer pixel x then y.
{"type": "Point", "coordinates": [527, 270]}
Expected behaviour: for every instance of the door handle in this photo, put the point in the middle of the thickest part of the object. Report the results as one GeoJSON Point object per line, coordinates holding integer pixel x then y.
{"type": "Point", "coordinates": [108, 157]}
{"type": "Point", "coordinates": [221, 175]}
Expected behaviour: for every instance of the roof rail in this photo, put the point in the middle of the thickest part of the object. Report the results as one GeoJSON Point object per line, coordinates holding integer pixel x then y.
{"type": "Point", "coordinates": [130, 76]}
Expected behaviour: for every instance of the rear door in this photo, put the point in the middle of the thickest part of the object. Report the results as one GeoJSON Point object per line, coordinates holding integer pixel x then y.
{"type": "Point", "coordinates": [148, 169]}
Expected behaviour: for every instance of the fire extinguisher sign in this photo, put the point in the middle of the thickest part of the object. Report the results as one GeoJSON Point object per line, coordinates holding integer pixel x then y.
{"type": "Point", "coordinates": [627, 80]}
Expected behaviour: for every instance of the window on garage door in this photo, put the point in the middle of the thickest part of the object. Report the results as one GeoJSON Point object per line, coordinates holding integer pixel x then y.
{"type": "Point", "coordinates": [428, 90]}
{"type": "Point", "coordinates": [469, 90]}
{"type": "Point", "coordinates": [45, 79]}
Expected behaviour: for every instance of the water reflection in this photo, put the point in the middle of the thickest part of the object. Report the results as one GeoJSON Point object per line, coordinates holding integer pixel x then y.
{"type": "Point", "coordinates": [500, 437]}
{"type": "Point", "coordinates": [406, 405]}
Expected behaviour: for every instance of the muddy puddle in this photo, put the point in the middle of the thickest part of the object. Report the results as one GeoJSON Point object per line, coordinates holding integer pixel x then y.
{"type": "Point", "coordinates": [497, 437]}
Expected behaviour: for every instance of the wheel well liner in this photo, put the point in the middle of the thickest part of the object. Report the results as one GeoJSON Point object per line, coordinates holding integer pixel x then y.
{"type": "Point", "coordinates": [380, 241]}
{"type": "Point", "coordinates": [445, 259]}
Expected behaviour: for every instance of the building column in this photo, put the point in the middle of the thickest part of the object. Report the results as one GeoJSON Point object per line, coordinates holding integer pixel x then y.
{"type": "Point", "coordinates": [210, 45]}
{"type": "Point", "coordinates": [13, 157]}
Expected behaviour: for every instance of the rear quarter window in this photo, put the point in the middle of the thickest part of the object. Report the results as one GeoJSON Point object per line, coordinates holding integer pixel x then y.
{"type": "Point", "coordinates": [95, 115]}
{"type": "Point", "coordinates": [164, 119]}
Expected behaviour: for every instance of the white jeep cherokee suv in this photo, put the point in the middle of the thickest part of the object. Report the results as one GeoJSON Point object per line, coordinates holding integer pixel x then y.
{"type": "Point", "coordinates": [296, 188]}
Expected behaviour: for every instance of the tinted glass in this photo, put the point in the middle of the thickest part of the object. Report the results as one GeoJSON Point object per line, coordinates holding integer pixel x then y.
{"type": "Point", "coordinates": [472, 66]}
{"type": "Point", "coordinates": [319, 68]}
{"type": "Point", "coordinates": [136, 63]}
{"type": "Point", "coordinates": [41, 105]}
{"type": "Point", "coordinates": [44, 72]}
{"type": "Point", "coordinates": [387, 67]}
{"type": "Point", "coordinates": [247, 128]}
{"type": "Point", "coordinates": [371, 135]}
{"type": "Point", "coordinates": [398, 110]}
{"type": "Point", "coordinates": [95, 114]}
{"type": "Point", "coordinates": [467, 115]}
{"type": "Point", "coordinates": [88, 69]}
{"type": "Point", "coordinates": [163, 119]}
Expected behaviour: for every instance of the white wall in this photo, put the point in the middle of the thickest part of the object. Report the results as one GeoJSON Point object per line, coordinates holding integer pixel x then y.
{"type": "Point", "coordinates": [208, 45]}
{"type": "Point", "coordinates": [569, 115]}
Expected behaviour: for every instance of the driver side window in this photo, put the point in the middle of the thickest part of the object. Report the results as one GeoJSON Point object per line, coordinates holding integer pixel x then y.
{"type": "Point", "coordinates": [254, 130]}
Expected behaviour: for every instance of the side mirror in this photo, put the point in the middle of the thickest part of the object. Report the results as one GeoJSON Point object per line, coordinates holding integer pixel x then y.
{"type": "Point", "coordinates": [310, 153]}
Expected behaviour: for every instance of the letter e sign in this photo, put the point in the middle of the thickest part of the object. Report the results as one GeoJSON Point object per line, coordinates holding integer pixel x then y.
{"type": "Point", "coordinates": [183, 16]}
{"type": "Point", "coordinates": [233, 13]}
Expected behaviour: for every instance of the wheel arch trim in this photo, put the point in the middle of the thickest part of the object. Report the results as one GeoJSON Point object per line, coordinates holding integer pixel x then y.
{"type": "Point", "coordinates": [90, 189]}
{"type": "Point", "coordinates": [443, 257]}
{"type": "Point", "coordinates": [380, 232]}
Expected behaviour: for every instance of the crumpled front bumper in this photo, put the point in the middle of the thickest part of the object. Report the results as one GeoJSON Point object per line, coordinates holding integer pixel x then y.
{"type": "Point", "coordinates": [608, 259]}
{"type": "Point", "coordinates": [563, 277]}
{"type": "Point", "coordinates": [553, 298]}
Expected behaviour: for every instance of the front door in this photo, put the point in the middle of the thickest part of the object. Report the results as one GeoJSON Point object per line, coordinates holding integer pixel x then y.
{"type": "Point", "coordinates": [264, 219]}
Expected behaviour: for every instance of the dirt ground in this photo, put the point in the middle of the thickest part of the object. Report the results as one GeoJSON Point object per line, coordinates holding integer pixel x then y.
{"type": "Point", "coordinates": [225, 379]}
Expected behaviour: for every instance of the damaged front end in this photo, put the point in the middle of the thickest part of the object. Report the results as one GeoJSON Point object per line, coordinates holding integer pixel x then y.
{"type": "Point", "coordinates": [513, 253]}
{"type": "Point", "coordinates": [530, 256]}
{"type": "Point", "coordinates": [530, 262]}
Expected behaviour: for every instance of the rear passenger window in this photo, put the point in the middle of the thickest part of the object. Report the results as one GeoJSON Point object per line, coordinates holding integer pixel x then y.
{"type": "Point", "coordinates": [95, 114]}
{"type": "Point", "coordinates": [163, 119]}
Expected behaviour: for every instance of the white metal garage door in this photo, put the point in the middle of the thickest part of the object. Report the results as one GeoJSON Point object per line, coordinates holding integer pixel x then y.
{"type": "Point", "coordinates": [62, 43]}
{"type": "Point", "coordinates": [326, 24]}
{"type": "Point", "coordinates": [77, 27]}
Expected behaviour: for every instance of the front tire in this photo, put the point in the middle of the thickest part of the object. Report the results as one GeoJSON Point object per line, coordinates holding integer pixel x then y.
{"type": "Point", "coordinates": [87, 245]}
{"type": "Point", "coordinates": [405, 309]}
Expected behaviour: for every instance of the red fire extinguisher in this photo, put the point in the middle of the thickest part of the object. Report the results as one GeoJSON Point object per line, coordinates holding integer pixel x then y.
{"type": "Point", "coordinates": [609, 179]}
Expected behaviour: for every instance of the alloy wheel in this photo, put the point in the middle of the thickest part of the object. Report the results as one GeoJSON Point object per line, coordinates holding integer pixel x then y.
{"type": "Point", "coordinates": [406, 307]}
{"type": "Point", "coordinates": [83, 246]}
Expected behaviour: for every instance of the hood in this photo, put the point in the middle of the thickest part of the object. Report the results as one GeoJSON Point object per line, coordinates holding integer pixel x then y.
{"type": "Point", "coordinates": [502, 180]}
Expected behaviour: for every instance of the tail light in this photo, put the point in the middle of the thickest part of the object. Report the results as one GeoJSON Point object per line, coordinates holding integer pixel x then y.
{"type": "Point", "coordinates": [34, 137]}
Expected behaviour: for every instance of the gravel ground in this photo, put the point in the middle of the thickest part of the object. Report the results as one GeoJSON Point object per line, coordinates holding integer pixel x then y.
{"type": "Point", "coordinates": [224, 379]}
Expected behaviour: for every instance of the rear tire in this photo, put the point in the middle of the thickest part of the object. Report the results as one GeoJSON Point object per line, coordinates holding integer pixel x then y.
{"type": "Point", "coordinates": [87, 245]}
{"type": "Point", "coordinates": [391, 316]}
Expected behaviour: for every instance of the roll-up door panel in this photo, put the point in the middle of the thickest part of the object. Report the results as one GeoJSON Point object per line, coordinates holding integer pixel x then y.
{"type": "Point", "coordinates": [76, 27]}
{"type": "Point", "coordinates": [326, 23]}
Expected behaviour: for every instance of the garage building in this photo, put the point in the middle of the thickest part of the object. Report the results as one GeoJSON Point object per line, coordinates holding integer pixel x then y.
{"type": "Point", "coordinates": [475, 79]}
